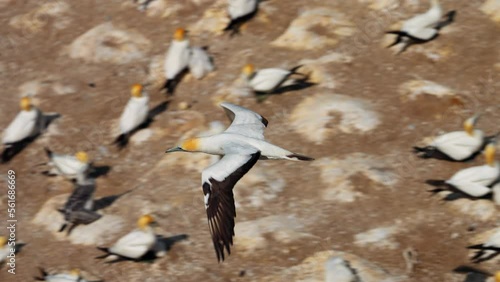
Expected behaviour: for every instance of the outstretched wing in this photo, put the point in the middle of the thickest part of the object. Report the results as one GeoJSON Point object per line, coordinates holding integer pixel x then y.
{"type": "Point", "coordinates": [244, 121]}
{"type": "Point", "coordinates": [218, 183]}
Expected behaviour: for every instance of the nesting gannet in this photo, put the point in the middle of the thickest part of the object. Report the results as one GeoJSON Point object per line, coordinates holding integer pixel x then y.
{"type": "Point", "coordinates": [456, 145]}
{"type": "Point", "coordinates": [475, 274]}
{"type": "Point", "coordinates": [200, 63]}
{"type": "Point", "coordinates": [241, 145]}
{"type": "Point", "coordinates": [79, 208]}
{"type": "Point", "coordinates": [68, 166]}
{"type": "Point", "coordinates": [268, 80]}
{"type": "Point", "coordinates": [339, 270]}
{"type": "Point", "coordinates": [488, 249]}
{"type": "Point", "coordinates": [423, 27]}
{"type": "Point", "coordinates": [134, 115]}
{"type": "Point", "coordinates": [25, 127]}
{"type": "Point", "coordinates": [177, 60]}
{"type": "Point", "coordinates": [472, 181]}
{"type": "Point", "coordinates": [73, 276]}
{"type": "Point", "coordinates": [239, 12]}
{"type": "Point", "coordinates": [135, 244]}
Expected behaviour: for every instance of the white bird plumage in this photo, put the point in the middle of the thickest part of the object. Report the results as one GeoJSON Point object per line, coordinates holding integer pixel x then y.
{"type": "Point", "coordinates": [241, 145]}
{"type": "Point", "coordinates": [68, 166]}
{"type": "Point", "coordinates": [176, 60]}
{"type": "Point", "coordinates": [73, 276]}
{"type": "Point", "coordinates": [200, 63]}
{"type": "Point", "coordinates": [339, 270]}
{"type": "Point", "coordinates": [267, 80]}
{"type": "Point", "coordinates": [239, 12]}
{"type": "Point", "coordinates": [135, 244]}
{"type": "Point", "coordinates": [135, 114]}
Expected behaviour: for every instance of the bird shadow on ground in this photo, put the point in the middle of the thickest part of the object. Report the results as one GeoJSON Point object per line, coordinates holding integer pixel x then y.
{"type": "Point", "coordinates": [98, 171]}
{"type": "Point", "coordinates": [296, 86]}
{"type": "Point", "coordinates": [107, 201]}
{"type": "Point", "coordinates": [15, 148]}
{"type": "Point", "coordinates": [172, 240]}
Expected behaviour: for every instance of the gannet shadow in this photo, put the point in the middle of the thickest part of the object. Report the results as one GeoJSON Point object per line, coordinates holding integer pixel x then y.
{"type": "Point", "coordinates": [107, 201]}
{"type": "Point", "coordinates": [98, 171]}
{"type": "Point", "coordinates": [172, 240]}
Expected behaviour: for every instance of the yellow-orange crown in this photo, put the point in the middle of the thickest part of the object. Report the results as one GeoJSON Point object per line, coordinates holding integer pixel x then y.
{"type": "Point", "coordinates": [25, 103]}
{"type": "Point", "coordinates": [179, 34]}
{"type": "Point", "coordinates": [136, 90]}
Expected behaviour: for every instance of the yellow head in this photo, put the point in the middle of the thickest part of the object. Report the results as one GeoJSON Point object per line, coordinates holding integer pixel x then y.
{"type": "Point", "coordinates": [75, 272]}
{"type": "Point", "coordinates": [136, 90]}
{"type": "Point", "coordinates": [489, 153]}
{"type": "Point", "coordinates": [470, 123]}
{"type": "Point", "coordinates": [82, 157]}
{"type": "Point", "coordinates": [188, 145]}
{"type": "Point", "coordinates": [3, 241]}
{"type": "Point", "coordinates": [144, 221]}
{"type": "Point", "coordinates": [25, 104]}
{"type": "Point", "coordinates": [180, 34]}
{"type": "Point", "coordinates": [248, 69]}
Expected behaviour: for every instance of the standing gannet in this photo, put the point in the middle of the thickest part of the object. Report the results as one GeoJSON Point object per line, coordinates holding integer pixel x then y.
{"type": "Point", "coordinates": [79, 208]}
{"type": "Point", "coordinates": [423, 27]}
{"type": "Point", "coordinates": [68, 166]}
{"type": "Point", "coordinates": [135, 244]}
{"type": "Point", "coordinates": [457, 145]}
{"type": "Point", "coordinates": [488, 249]}
{"type": "Point", "coordinates": [239, 12]}
{"type": "Point", "coordinates": [176, 61]}
{"type": "Point", "coordinates": [25, 127]}
{"type": "Point", "coordinates": [472, 181]}
{"type": "Point", "coordinates": [134, 115]}
{"type": "Point", "coordinates": [73, 276]}
{"type": "Point", "coordinates": [200, 63]}
{"type": "Point", "coordinates": [241, 145]}
{"type": "Point", "coordinates": [475, 274]}
{"type": "Point", "coordinates": [266, 81]}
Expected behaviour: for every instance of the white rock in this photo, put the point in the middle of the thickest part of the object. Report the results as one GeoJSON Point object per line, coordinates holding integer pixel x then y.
{"type": "Point", "coordinates": [107, 43]}
{"type": "Point", "coordinates": [381, 4]}
{"type": "Point", "coordinates": [492, 9]}
{"type": "Point", "coordinates": [214, 19]}
{"type": "Point", "coordinates": [482, 210]}
{"type": "Point", "coordinates": [339, 270]}
{"type": "Point", "coordinates": [414, 88]}
{"type": "Point", "coordinates": [381, 237]}
{"type": "Point", "coordinates": [300, 34]}
{"type": "Point", "coordinates": [163, 8]}
{"type": "Point", "coordinates": [50, 218]}
{"type": "Point", "coordinates": [317, 69]}
{"type": "Point", "coordinates": [260, 185]}
{"type": "Point", "coordinates": [141, 136]}
{"type": "Point", "coordinates": [311, 116]}
{"type": "Point", "coordinates": [35, 20]}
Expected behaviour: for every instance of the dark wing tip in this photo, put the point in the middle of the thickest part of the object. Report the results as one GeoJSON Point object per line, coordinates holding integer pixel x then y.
{"type": "Point", "coordinates": [300, 157]}
{"type": "Point", "coordinates": [264, 121]}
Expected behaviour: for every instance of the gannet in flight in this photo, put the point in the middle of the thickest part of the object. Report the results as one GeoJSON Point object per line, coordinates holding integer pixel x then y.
{"type": "Point", "coordinates": [73, 276]}
{"type": "Point", "coordinates": [475, 274]}
{"type": "Point", "coordinates": [200, 63]}
{"type": "Point", "coordinates": [266, 81]}
{"type": "Point", "coordinates": [134, 115]}
{"type": "Point", "coordinates": [79, 208]}
{"type": "Point", "coordinates": [423, 27]}
{"type": "Point", "coordinates": [135, 244]}
{"type": "Point", "coordinates": [239, 12]}
{"type": "Point", "coordinates": [241, 145]}
{"type": "Point", "coordinates": [26, 126]}
{"type": "Point", "coordinates": [176, 60]}
{"type": "Point", "coordinates": [457, 145]}
{"type": "Point", "coordinates": [68, 166]}
{"type": "Point", "coordinates": [473, 181]}
{"type": "Point", "coordinates": [488, 249]}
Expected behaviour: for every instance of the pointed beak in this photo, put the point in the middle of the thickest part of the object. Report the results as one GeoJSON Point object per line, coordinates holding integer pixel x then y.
{"type": "Point", "coordinates": [175, 149]}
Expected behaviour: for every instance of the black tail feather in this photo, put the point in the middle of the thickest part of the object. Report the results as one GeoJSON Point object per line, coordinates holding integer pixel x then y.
{"type": "Point", "coordinates": [431, 152]}
{"type": "Point", "coordinates": [122, 140]}
{"type": "Point", "coordinates": [436, 182]}
{"type": "Point", "coordinates": [106, 253]}
{"type": "Point", "coordinates": [234, 25]}
{"type": "Point", "coordinates": [170, 85]}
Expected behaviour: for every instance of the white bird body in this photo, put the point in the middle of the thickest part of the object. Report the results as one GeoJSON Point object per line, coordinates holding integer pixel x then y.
{"type": "Point", "coordinates": [266, 80]}
{"type": "Point", "coordinates": [240, 8]}
{"type": "Point", "coordinates": [135, 244]}
{"type": "Point", "coordinates": [200, 63]}
{"type": "Point", "coordinates": [135, 113]}
{"type": "Point", "coordinates": [177, 58]}
{"type": "Point", "coordinates": [26, 124]}
{"type": "Point", "coordinates": [422, 26]}
{"type": "Point", "coordinates": [68, 165]}
{"type": "Point", "coordinates": [474, 181]}
{"type": "Point", "coordinates": [459, 145]}
{"type": "Point", "coordinates": [63, 277]}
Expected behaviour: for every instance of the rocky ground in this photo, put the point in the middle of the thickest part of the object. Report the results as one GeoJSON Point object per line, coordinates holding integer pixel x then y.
{"type": "Point", "coordinates": [364, 198]}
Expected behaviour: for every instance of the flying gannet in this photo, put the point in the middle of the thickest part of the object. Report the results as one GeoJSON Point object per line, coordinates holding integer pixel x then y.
{"type": "Point", "coordinates": [73, 276]}
{"type": "Point", "coordinates": [267, 81]}
{"type": "Point", "coordinates": [423, 27]}
{"type": "Point", "coordinates": [79, 208]}
{"type": "Point", "coordinates": [240, 11]}
{"type": "Point", "coordinates": [488, 249]}
{"type": "Point", "coordinates": [241, 145]}
{"type": "Point", "coordinates": [134, 115]}
{"type": "Point", "coordinates": [68, 166]}
{"type": "Point", "coordinates": [176, 60]}
{"type": "Point", "coordinates": [25, 127]}
{"type": "Point", "coordinates": [135, 244]}
{"type": "Point", "coordinates": [456, 145]}
{"type": "Point", "coordinates": [473, 181]}
{"type": "Point", "coordinates": [200, 63]}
